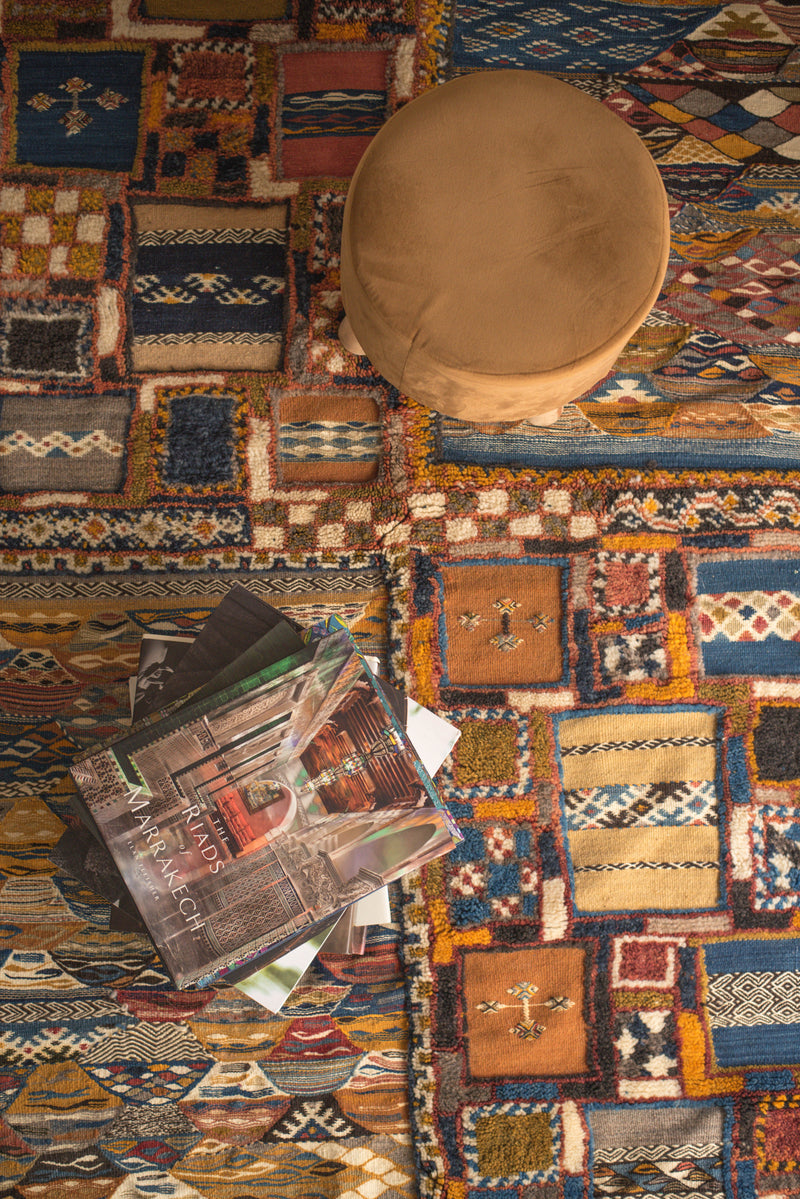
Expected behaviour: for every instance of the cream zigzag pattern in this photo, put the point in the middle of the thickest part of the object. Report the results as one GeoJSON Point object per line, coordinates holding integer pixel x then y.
{"type": "Point", "coordinates": [200, 237]}
{"type": "Point", "coordinates": [184, 339]}
{"type": "Point", "coordinates": [328, 439]}
{"type": "Point", "coordinates": [706, 509]}
{"type": "Point", "coordinates": [598, 867]}
{"type": "Point", "coordinates": [58, 442]}
{"type": "Point", "coordinates": [667, 1154]}
{"type": "Point", "coordinates": [55, 1010]}
{"type": "Point", "coordinates": [651, 743]}
{"type": "Point", "coordinates": [147, 587]}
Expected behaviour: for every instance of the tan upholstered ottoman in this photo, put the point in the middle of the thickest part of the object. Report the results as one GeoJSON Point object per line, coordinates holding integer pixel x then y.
{"type": "Point", "coordinates": [504, 236]}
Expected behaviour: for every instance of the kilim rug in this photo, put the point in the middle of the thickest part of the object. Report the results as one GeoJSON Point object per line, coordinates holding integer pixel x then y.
{"type": "Point", "coordinates": [598, 993]}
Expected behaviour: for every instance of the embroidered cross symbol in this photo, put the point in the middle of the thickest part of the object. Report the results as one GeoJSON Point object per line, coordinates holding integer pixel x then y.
{"type": "Point", "coordinates": [540, 621]}
{"type": "Point", "coordinates": [75, 119]}
{"type": "Point", "coordinates": [527, 1028]}
{"type": "Point", "coordinates": [505, 640]}
{"type": "Point", "coordinates": [506, 606]}
{"type": "Point", "coordinates": [523, 990]}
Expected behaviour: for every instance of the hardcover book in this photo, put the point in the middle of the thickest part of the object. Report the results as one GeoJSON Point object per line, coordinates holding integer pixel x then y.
{"type": "Point", "coordinates": [243, 820]}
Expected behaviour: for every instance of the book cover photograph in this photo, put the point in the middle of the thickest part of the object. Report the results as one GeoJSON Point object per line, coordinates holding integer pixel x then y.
{"type": "Point", "coordinates": [159, 658]}
{"type": "Point", "coordinates": [244, 819]}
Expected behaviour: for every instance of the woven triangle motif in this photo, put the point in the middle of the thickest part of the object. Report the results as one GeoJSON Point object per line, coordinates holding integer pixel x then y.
{"type": "Point", "coordinates": [319, 1119]}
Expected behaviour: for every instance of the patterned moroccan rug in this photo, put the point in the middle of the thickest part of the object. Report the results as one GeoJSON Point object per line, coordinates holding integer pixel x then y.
{"type": "Point", "coordinates": [598, 993]}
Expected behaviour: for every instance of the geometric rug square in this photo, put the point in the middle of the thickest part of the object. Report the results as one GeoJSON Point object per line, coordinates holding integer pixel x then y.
{"type": "Point", "coordinates": [508, 1143]}
{"type": "Point", "coordinates": [662, 1144]}
{"type": "Point", "coordinates": [524, 1012]}
{"type": "Point", "coordinates": [776, 743]}
{"type": "Point", "coordinates": [78, 108]}
{"type": "Point", "coordinates": [211, 75]}
{"type": "Point", "coordinates": [201, 435]}
{"type": "Point", "coordinates": [328, 437]}
{"type": "Point", "coordinates": [58, 234]}
{"type": "Point", "coordinates": [46, 339]}
{"type": "Point", "coordinates": [503, 622]}
{"type": "Point", "coordinates": [333, 103]}
{"type": "Point", "coordinates": [752, 1000]}
{"type": "Point", "coordinates": [640, 801]}
{"type": "Point", "coordinates": [747, 615]}
{"type": "Point", "coordinates": [64, 443]}
{"type": "Point", "coordinates": [208, 287]}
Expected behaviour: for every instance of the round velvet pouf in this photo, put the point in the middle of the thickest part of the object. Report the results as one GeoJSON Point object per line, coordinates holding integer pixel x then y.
{"type": "Point", "coordinates": [504, 236]}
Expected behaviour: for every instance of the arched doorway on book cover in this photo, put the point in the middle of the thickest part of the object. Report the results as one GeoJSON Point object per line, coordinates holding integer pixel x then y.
{"type": "Point", "coordinates": [382, 852]}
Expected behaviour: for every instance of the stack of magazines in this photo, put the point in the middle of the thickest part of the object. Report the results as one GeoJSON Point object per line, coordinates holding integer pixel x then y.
{"type": "Point", "coordinates": [270, 787]}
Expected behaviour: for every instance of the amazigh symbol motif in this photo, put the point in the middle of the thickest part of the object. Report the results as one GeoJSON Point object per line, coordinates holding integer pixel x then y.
{"type": "Point", "coordinates": [505, 640]}
{"type": "Point", "coordinates": [76, 118]}
{"type": "Point", "coordinates": [527, 1028]}
{"type": "Point", "coordinates": [470, 620]}
{"type": "Point", "coordinates": [506, 606]}
{"type": "Point", "coordinates": [540, 621]}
